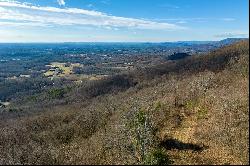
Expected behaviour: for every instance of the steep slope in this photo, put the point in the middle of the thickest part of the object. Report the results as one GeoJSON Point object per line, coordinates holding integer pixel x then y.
{"type": "Point", "coordinates": [192, 111]}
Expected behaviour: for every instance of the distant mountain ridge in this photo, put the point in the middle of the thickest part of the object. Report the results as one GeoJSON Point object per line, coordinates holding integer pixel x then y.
{"type": "Point", "coordinates": [228, 41]}
{"type": "Point", "coordinates": [221, 42]}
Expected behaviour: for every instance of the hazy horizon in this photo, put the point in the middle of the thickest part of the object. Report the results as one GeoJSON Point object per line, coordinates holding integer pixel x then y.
{"type": "Point", "coordinates": [142, 42]}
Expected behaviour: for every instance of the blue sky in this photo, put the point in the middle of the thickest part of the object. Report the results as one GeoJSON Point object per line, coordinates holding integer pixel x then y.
{"type": "Point", "coordinates": [122, 20]}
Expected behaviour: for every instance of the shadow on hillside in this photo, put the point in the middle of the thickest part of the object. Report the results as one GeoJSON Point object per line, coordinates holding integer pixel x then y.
{"type": "Point", "coordinates": [170, 144]}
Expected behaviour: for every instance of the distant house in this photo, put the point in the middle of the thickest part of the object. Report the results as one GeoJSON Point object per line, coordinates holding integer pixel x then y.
{"type": "Point", "coordinates": [57, 71]}
{"type": "Point", "coordinates": [24, 76]}
{"type": "Point", "coordinates": [4, 104]}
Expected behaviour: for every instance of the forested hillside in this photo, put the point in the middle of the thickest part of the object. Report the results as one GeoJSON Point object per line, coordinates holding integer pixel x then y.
{"type": "Point", "coordinates": [189, 111]}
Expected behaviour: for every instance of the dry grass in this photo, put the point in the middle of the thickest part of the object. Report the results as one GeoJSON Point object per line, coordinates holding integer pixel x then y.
{"type": "Point", "coordinates": [189, 112]}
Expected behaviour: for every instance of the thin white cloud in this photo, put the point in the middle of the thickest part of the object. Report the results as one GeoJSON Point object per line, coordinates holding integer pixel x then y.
{"type": "Point", "coordinates": [181, 22]}
{"type": "Point", "coordinates": [233, 34]}
{"type": "Point", "coordinates": [105, 2]}
{"type": "Point", "coordinates": [169, 6]}
{"type": "Point", "coordinates": [61, 2]}
{"type": "Point", "coordinates": [22, 24]}
{"type": "Point", "coordinates": [90, 5]}
{"type": "Point", "coordinates": [195, 19]}
{"type": "Point", "coordinates": [8, 1]}
{"type": "Point", "coordinates": [228, 19]}
{"type": "Point", "coordinates": [20, 12]}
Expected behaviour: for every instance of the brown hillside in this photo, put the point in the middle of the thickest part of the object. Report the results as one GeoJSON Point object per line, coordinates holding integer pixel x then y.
{"type": "Point", "coordinates": [192, 111]}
